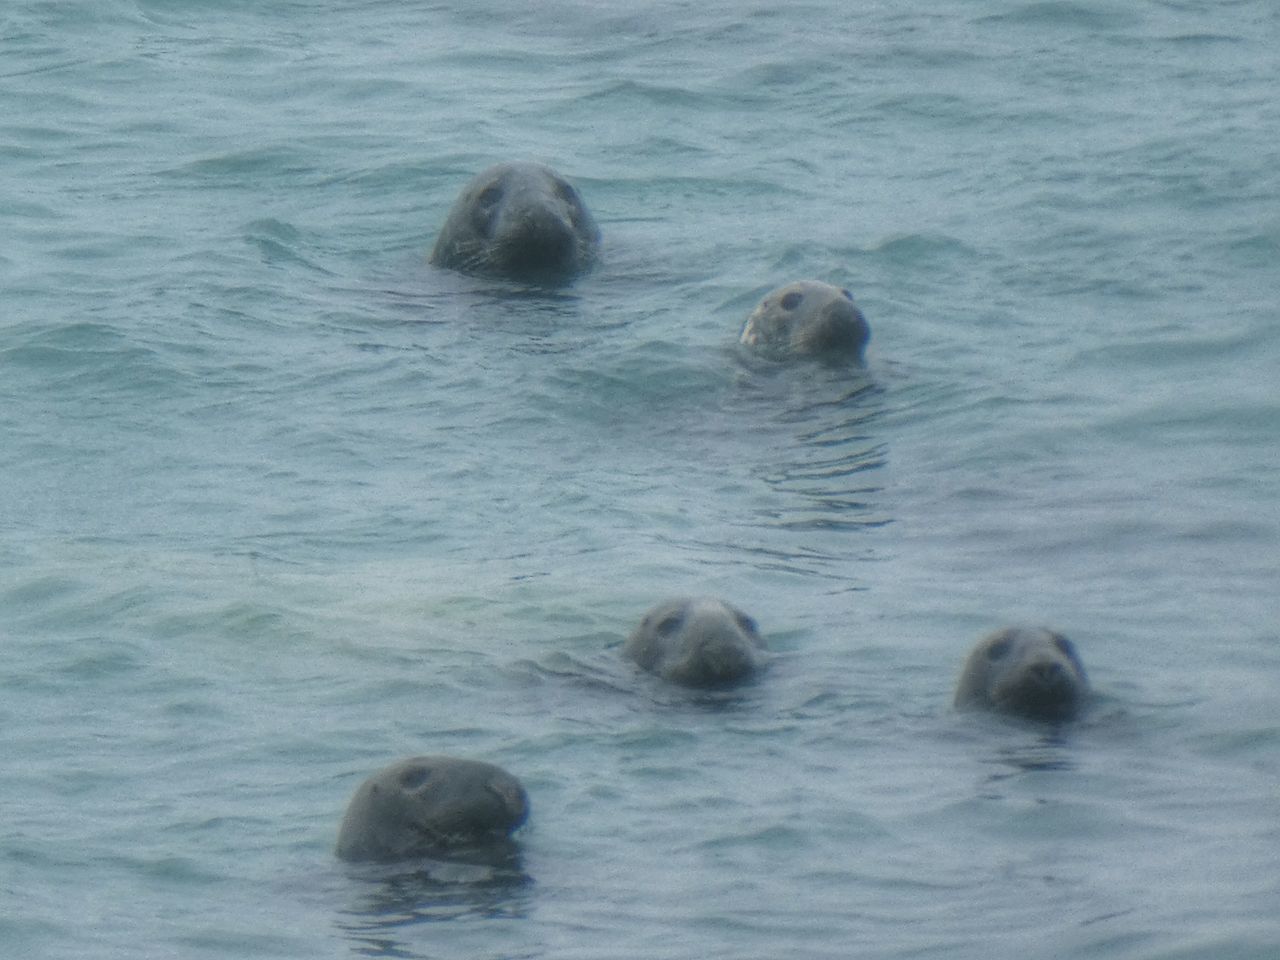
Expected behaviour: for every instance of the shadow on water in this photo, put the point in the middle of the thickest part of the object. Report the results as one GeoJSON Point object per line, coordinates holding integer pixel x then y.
{"type": "Point", "coordinates": [486, 883]}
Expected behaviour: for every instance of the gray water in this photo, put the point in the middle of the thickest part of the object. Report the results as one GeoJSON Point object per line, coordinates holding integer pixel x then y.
{"type": "Point", "coordinates": [281, 503]}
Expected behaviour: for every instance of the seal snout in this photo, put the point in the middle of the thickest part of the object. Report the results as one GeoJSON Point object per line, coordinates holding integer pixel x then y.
{"type": "Point", "coordinates": [840, 329]}
{"type": "Point", "coordinates": [536, 238]}
{"type": "Point", "coordinates": [513, 803]}
{"type": "Point", "coordinates": [1047, 673]}
{"type": "Point", "coordinates": [722, 660]}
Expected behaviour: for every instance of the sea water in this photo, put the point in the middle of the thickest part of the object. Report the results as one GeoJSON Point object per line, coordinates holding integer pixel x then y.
{"type": "Point", "coordinates": [280, 503]}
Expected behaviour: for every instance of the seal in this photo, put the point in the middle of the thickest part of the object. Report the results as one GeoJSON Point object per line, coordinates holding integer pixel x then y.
{"type": "Point", "coordinates": [520, 221]}
{"type": "Point", "coordinates": [697, 642]}
{"type": "Point", "coordinates": [1030, 672]}
{"type": "Point", "coordinates": [429, 805]}
{"type": "Point", "coordinates": [807, 318]}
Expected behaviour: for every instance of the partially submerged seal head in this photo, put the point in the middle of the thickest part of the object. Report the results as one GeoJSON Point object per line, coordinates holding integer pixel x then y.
{"type": "Point", "coordinates": [697, 642]}
{"type": "Point", "coordinates": [807, 318]}
{"type": "Point", "coordinates": [521, 221]}
{"type": "Point", "coordinates": [429, 805]}
{"type": "Point", "coordinates": [1030, 672]}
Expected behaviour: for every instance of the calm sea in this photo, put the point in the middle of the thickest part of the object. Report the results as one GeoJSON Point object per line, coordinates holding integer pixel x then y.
{"type": "Point", "coordinates": [281, 503]}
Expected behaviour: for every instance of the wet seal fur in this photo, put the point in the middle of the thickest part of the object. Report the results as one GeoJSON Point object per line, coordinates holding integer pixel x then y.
{"type": "Point", "coordinates": [429, 805]}
{"type": "Point", "coordinates": [520, 221]}
{"type": "Point", "coordinates": [807, 318]}
{"type": "Point", "coordinates": [697, 642]}
{"type": "Point", "coordinates": [1029, 672]}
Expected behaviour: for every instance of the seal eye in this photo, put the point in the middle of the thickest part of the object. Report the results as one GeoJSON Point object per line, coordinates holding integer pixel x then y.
{"type": "Point", "coordinates": [999, 649]}
{"type": "Point", "coordinates": [669, 624]}
{"type": "Point", "coordinates": [847, 295]}
{"type": "Point", "coordinates": [414, 777]}
{"type": "Point", "coordinates": [489, 196]}
{"type": "Point", "coordinates": [791, 300]}
{"type": "Point", "coordinates": [746, 623]}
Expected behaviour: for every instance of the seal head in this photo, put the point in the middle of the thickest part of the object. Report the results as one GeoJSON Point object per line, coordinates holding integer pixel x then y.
{"type": "Point", "coordinates": [520, 221]}
{"type": "Point", "coordinates": [1029, 672]}
{"type": "Point", "coordinates": [697, 642]}
{"type": "Point", "coordinates": [430, 805]}
{"type": "Point", "coordinates": [807, 318]}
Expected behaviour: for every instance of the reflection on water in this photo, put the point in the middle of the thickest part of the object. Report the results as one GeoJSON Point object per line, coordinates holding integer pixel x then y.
{"type": "Point", "coordinates": [1052, 751]}
{"type": "Point", "coordinates": [825, 449]}
{"type": "Point", "coordinates": [387, 898]}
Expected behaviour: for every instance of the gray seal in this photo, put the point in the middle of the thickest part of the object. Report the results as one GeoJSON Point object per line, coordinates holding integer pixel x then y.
{"type": "Point", "coordinates": [520, 221]}
{"type": "Point", "coordinates": [697, 642]}
{"type": "Point", "coordinates": [429, 805]}
{"type": "Point", "coordinates": [1030, 672]}
{"type": "Point", "coordinates": [807, 318]}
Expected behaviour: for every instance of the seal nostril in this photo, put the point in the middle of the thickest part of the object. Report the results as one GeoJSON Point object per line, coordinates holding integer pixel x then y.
{"type": "Point", "coordinates": [1048, 673]}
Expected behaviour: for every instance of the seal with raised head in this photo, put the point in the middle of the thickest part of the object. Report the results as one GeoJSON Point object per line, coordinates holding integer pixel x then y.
{"type": "Point", "coordinates": [521, 221]}
{"type": "Point", "coordinates": [697, 642]}
{"type": "Point", "coordinates": [429, 805]}
{"type": "Point", "coordinates": [1027, 671]}
{"type": "Point", "coordinates": [807, 318]}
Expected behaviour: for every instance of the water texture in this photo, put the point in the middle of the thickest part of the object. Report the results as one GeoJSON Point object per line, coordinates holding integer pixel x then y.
{"type": "Point", "coordinates": [281, 503]}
